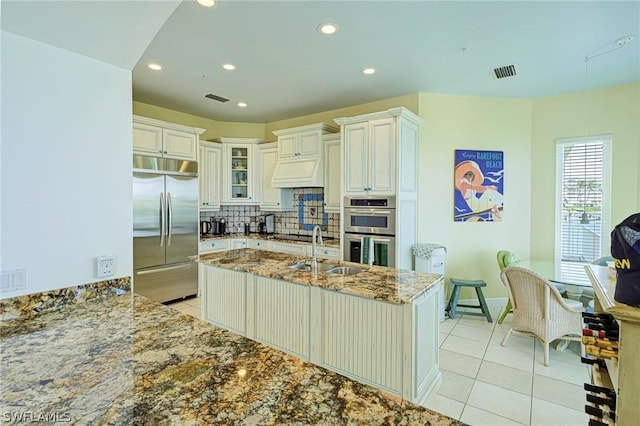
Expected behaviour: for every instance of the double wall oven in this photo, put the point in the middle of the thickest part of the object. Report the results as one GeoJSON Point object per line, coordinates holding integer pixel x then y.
{"type": "Point", "coordinates": [369, 225]}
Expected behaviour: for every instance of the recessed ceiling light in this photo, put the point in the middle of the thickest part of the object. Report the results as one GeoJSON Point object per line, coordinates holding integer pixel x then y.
{"type": "Point", "coordinates": [327, 28]}
{"type": "Point", "coordinates": [369, 71]}
{"type": "Point", "coordinates": [242, 104]}
{"type": "Point", "coordinates": [207, 3]}
{"type": "Point", "coordinates": [229, 67]}
{"type": "Point", "coordinates": [155, 67]}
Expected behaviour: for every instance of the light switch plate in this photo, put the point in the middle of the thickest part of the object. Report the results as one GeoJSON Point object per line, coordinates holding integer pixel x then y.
{"type": "Point", "coordinates": [13, 280]}
{"type": "Point", "coordinates": [105, 266]}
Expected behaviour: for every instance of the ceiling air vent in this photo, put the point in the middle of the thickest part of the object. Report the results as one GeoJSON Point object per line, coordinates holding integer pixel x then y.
{"type": "Point", "coordinates": [216, 97]}
{"type": "Point", "coordinates": [504, 72]}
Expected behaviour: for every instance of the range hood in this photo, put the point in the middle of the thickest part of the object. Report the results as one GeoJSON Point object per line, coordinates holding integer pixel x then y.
{"type": "Point", "coordinates": [298, 173]}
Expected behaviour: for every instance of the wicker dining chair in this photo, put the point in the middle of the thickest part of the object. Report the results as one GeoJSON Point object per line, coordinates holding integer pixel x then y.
{"type": "Point", "coordinates": [539, 309]}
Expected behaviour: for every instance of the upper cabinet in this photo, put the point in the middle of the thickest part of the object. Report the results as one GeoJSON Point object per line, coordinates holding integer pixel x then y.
{"type": "Point", "coordinates": [300, 162]}
{"type": "Point", "coordinates": [239, 170]}
{"type": "Point", "coordinates": [162, 139]}
{"type": "Point", "coordinates": [210, 175]}
{"type": "Point", "coordinates": [271, 199]}
{"type": "Point", "coordinates": [331, 155]}
{"type": "Point", "coordinates": [379, 152]}
{"type": "Point", "coordinates": [369, 157]}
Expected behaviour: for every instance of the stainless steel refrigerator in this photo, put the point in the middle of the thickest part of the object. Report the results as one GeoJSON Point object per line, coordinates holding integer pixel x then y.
{"type": "Point", "coordinates": [165, 227]}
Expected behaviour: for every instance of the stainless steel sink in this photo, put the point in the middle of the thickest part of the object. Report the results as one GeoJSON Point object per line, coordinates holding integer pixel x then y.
{"type": "Point", "coordinates": [322, 267]}
{"type": "Point", "coordinates": [344, 270]}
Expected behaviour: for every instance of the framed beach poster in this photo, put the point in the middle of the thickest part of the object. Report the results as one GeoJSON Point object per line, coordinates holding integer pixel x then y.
{"type": "Point", "coordinates": [478, 186]}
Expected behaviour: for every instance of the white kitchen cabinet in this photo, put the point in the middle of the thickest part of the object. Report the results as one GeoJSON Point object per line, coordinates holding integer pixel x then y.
{"type": "Point", "coordinates": [279, 315]}
{"type": "Point", "coordinates": [380, 152]}
{"type": "Point", "coordinates": [162, 139]}
{"type": "Point", "coordinates": [239, 170]}
{"type": "Point", "coordinates": [332, 185]}
{"type": "Point", "coordinates": [304, 141]}
{"type": "Point", "coordinates": [210, 175]}
{"type": "Point", "coordinates": [214, 245]}
{"type": "Point", "coordinates": [271, 199]}
{"type": "Point", "coordinates": [224, 294]}
{"type": "Point", "coordinates": [369, 157]}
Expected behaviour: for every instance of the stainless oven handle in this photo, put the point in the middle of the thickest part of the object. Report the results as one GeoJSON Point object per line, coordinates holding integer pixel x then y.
{"type": "Point", "coordinates": [368, 211]}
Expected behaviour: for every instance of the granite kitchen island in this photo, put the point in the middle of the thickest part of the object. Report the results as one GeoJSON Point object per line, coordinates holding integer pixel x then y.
{"type": "Point", "coordinates": [127, 360]}
{"type": "Point", "coordinates": [378, 326]}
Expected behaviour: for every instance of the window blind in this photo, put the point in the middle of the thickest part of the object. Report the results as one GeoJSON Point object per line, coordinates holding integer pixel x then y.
{"type": "Point", "coordinates": [582, 199]}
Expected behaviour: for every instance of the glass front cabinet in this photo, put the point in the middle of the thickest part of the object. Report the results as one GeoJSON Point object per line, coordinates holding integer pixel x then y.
{"type": "Point", "coordinates": [239, 170]}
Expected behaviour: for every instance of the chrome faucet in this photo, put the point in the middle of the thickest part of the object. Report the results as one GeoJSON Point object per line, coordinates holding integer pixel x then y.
{"type": "Point", "coordinates": [317, 233]}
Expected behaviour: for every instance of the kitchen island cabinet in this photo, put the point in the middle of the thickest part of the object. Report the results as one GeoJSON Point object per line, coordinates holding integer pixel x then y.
{"type": "Point", "coordinates": [379, 326]}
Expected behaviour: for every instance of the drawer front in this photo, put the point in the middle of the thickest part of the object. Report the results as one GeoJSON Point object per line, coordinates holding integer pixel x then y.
{"type": "Point", "coordinates": [211, 246]}
{"type": "Point", "coordinates": [259, 244]}
{"type": "Point", "coordinates": [327, 252]}
{"type": "Point", "coordinates": [300, 249]}
{"type": "Point", "coordinates": [239, 243]}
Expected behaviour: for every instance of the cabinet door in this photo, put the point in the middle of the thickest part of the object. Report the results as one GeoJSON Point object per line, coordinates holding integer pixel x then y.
{"type": "Point", "coordinates": [269, 196]}
{"type": "Point", "coordinates": [210, 176]}
{"type": "Point", "coordinates": [355, 158]}
{"type": "Point", "coordinates": [332, 176]}
{"type": "Point", "coordinates": [287, 146]}
{"type": "Point", "coordinates": [282, 315]}
{"type": "Point", "coordinates": [309, 143]}
{"type": "Point", "coordinates": [178, 144]}
{"type": "Point", "coordinates": [225, 295]}
{"type": "Point", "coordinates": [238, 178]}
{"type": "Point", "coordinates": [381, 156]}
{"type": "Point", "coordinates": [147, 139]}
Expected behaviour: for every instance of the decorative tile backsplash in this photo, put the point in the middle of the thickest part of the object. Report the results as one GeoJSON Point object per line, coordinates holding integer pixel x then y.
{"type": "Point", "coordinates": [307, 212]}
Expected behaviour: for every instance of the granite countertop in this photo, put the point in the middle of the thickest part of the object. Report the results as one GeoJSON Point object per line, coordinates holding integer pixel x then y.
{"type": "Point", "coordinates": [374, 282]}
{"type": "Point", "coordinates": [283, 238]}
{"type": "Point", "coordinates": [127, 360]}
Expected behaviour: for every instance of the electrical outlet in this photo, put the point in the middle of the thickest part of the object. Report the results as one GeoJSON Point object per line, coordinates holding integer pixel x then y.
{"type": "Point", "coordinates": [105, 266]}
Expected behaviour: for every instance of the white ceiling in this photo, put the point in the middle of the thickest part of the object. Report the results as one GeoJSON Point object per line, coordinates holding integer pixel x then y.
{"type": "Point", "coordinates": [285, 68]}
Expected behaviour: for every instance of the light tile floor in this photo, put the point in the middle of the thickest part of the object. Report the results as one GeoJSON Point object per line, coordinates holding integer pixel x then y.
{"type": "Point", "coordinates": [484, 383]}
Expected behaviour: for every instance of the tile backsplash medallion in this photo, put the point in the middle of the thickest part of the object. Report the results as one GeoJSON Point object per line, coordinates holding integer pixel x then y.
{"type": "Point", "coordinates": [307, 212]}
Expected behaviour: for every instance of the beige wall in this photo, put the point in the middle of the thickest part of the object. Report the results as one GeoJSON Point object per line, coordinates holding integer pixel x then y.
{"type": "Point", "coordinates": [463, 122]}
{"type": "Point", "coordinates": [214, 129]}
{"type": "Point", "coordinates": [615, 111]}
{"type": "Point", "coordinates": [408, 101]}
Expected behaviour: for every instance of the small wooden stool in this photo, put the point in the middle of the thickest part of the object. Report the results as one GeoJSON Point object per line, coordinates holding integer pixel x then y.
{"type": "Point", "coordinates": [455, 294]}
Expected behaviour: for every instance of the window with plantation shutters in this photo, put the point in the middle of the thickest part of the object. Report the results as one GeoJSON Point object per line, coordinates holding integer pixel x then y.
{"type": "Point", "coordinates": [582, 201]}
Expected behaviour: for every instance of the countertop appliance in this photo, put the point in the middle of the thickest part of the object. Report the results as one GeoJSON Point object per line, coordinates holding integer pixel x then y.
{"type": "Point", "coordinates": [165, 227]}
{"type": "Point", "coordinates": [370, 227]}
{"type": "Point", "coordinates": [270, 224]}
{"type": "Point", "coordinates": [205, 227]}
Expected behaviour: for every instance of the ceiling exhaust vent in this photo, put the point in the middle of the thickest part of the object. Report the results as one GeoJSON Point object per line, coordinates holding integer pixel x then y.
{"type": "Point", "coordinates": [216, 97]}
{"type": "Point", "coordinates": [504, 72]}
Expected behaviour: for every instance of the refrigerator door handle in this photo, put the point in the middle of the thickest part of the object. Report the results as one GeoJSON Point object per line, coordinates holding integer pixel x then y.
{"type": "Point", "coordinates": [163, 269]}
{"type": "Point", "coordinates": [170, 215]}
{"type": "Point", "coordinates": [162, 219]}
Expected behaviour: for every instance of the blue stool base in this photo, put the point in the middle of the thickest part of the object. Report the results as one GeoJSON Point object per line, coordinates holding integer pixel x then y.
{"type": "Point", "coordinates": [455, 294]}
